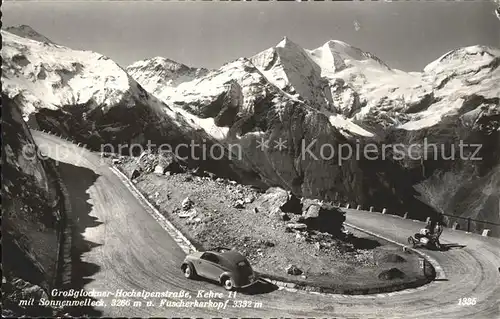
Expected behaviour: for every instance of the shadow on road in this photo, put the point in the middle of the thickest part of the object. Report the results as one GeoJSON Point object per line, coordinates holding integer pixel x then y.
{"type": "Point", "coordinates": [78, 180]}
{"type": "Point", "coordinates": [364, 243]}
{"type": "Point", "coordinates": [260, 287]}
{"type": "Point", "coordinates": [446, 247]}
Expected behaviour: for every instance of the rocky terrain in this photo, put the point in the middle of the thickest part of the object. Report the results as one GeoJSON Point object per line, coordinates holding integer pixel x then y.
{"type": "Point", "coordinates": [288, 238]}
{"type": "Point", "coordinates": [335, 95]}
{"type": "Point", "coordinates": [30, 212]}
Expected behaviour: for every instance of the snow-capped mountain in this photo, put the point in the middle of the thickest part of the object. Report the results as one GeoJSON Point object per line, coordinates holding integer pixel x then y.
{"type": "Point", "coordinates": [90, 98]}
{"type": "Point", "coordinates": [161, 73]}
{"type": "Point", "coordinates": [340, 88]}
{"type": "Point", "coordinates": [48, 79]}
{"type": "Point", "coordinates": [291, 69]}
{"type": "Point", "coordinates": [333, 95]}
{"type": "Point", "coordinates": [348, 85]}
{"type": "Point", "coordinates": [49, 76]}
{"type": "Point", "coordinates": [465, 82]}
{"type": "Point", "coordinates": [82, 94]}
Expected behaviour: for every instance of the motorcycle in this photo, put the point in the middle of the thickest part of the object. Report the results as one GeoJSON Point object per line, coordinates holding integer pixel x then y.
{"type": "Point", "coordinates": [424, 242]}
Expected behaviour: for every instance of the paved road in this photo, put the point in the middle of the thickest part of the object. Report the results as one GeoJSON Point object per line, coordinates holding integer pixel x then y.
{"type": "Point", "coordinates": [123, 247]}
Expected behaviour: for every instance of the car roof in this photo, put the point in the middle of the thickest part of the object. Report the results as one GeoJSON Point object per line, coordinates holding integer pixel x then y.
{"type": "Point", "coordinates": [228, 258]}
{"type": "Point", "coordinates": [232, 256]}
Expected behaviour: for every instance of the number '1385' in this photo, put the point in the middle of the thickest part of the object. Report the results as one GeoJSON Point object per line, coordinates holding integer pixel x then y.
{"type": "Point", "coordinates": [467, 301]}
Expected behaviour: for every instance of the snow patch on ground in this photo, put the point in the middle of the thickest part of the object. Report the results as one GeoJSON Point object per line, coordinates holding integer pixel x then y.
{"type": "Point", "coordinates": [345, 124]}
{"type": "Point", "coordinates": [433, 115]}
{"type": "Point", "coordinates": [208, 124]}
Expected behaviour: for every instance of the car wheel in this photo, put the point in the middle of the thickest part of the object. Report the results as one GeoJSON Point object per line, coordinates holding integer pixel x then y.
{"type": "Point", "coordinates": [228, 283]}
{"type": "Point", "coordinates": [189, 271]}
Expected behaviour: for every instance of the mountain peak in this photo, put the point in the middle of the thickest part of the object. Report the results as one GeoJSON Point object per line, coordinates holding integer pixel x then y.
{"type": "Point", "coordinates": [341, 53]}
{"type": "Point", "coordinates": [470, 57]}
{"type": "Point", "coordinates": [161, 64]}
{"type": "Point", "coordinates": [287, 43]}
{"type": "Point", "coordinates": [346, 50]}
{"type": "Point", "coordinates": [157, 73]}
{"type": "Point", "coordinates": [168, 63]}
{"type": "Point", "coordinates": [28, 32]}
{"type": "Point", "coordinates": [333, 43]}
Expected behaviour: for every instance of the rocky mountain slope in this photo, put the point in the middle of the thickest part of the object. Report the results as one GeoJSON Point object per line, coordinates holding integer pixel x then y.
{"type": "Point", "coordinates": [352, 86]}
{"type": "Point", "coordinates": [50, 80]}
{"type": "Point", "coordinates": [338, 88]}
{"type": "Point", "coordinates": [26, 31]}
{"type": "Point", "coordinates": [285, 109]}
{"type": "Point", "coordinates": [30, 210]}
{"type": "Point", "coordinates": [88, 97]}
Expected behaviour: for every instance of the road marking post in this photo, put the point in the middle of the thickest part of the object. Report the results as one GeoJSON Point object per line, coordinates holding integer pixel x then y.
{"type": "Point", "coordinates": [423, 265]}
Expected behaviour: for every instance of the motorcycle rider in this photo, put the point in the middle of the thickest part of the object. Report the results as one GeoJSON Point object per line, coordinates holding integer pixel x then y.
{"type": "Point", "coordinates": [425, 232]}
{"type": "Point", "coordinates": [429, 225]}
{"type": "Point", "coordinates": [438, 230]}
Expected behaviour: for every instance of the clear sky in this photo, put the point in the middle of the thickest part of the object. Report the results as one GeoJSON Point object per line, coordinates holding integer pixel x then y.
{"type": "Point", "coordinates": [406, 35]}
